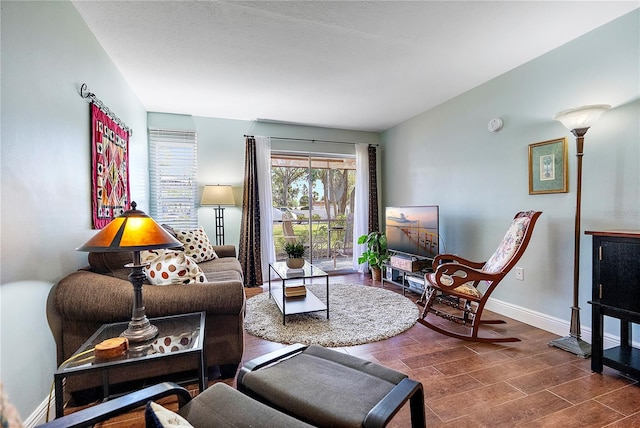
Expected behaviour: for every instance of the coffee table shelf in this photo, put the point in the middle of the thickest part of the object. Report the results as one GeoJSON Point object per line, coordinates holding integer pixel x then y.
{"type": "Point", "coordinates": [299, 304]}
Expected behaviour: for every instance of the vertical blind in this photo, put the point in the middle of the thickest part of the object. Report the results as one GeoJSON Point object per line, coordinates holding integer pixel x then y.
{"type": "Point", "coordinates": [173, 158]}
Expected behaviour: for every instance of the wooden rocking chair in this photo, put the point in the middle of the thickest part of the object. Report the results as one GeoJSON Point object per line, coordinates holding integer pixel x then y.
{"type": "Point", "coordinates": [465, 286]}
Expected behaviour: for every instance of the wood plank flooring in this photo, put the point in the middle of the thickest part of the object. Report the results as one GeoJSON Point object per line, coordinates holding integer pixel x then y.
{"type": "Point", "coordinates": [527, 383]}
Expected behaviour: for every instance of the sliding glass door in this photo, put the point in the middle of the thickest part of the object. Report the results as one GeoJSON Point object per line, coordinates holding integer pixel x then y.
{"type": "Point", "coordinates": [313, 204]}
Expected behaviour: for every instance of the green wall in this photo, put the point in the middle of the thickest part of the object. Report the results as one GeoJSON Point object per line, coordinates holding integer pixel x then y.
{"type": "Point", "coordinates": [446, 156]}
{"type": "Point", "coordinates": [47, 53]}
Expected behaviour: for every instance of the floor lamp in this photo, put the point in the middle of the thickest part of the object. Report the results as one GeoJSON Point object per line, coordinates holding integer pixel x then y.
{"type": "Point", "coordinates": [218, 195]}
{"type": "Point", "coordinates": [578, 120]}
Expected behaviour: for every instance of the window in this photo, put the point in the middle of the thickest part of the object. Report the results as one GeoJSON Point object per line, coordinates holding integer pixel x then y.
{"type": "Point", "coordinates": [313, 201]}
{"type": "Point", "coordinates": [173, 158]}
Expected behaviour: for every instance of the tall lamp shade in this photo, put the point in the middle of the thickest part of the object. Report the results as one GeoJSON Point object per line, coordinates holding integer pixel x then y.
{"type": "Point", "coordinates": [581, 117]}
{"type": "Point", "coordinates": [578, 121]}
{"type": "Point", "coordinates": [218, 195]}
{"type": "Point", "coordinates": [133, 231]}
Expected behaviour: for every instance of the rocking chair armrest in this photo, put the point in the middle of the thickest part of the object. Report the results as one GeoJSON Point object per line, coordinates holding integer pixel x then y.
{"type": "Point", "coordinates": [452, 275]}
{"type": "Point", "coordinates": [441, 259]}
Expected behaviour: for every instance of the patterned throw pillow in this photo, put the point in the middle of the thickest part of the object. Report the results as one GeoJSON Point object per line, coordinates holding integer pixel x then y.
{"type": "Point", "coordinates": [172, 343]}
{"type": "Point", "coordinates": [174, 267]}
{"type": "Point", "coordinates": [196, 244]}
{"type": "Point", "coordinates": [147, 256]}
{"type": "Point", "coordinates": [157, 416]}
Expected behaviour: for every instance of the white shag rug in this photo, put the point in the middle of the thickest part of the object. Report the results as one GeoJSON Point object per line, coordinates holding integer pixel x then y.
{"type": "Point", "coordinates": [358, 314]}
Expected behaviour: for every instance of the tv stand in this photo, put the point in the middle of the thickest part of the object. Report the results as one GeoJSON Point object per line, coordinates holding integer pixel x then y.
{"type": "Point", "coordinates": [412, 281]}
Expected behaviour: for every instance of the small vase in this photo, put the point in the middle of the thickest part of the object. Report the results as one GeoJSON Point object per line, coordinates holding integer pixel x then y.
{"type": "Point", "coordinates": [295, 263]}
{"type": "Point", "coordinates": [376, 273]}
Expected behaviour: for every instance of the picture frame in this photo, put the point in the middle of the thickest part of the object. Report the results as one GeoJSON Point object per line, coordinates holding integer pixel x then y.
{"type": "Point", "coordinates": [548, 167]}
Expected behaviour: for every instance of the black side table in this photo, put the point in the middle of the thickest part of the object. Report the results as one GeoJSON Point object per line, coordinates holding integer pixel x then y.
{"type": "Point", "coordinates": [178, 335]}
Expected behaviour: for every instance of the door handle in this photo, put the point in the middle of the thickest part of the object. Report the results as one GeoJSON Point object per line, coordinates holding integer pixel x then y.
{"type": "Point", "coordinates": [600, 297]}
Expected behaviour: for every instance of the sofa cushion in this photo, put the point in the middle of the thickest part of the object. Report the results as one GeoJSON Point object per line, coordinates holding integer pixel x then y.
{"type": "Point", "coordinates": [224, 276]}
{"type": "Point", "coordinates": [173, 267]}
{"type": "Point", "coordinates": [225, 251]}
{"type": "Point", "coordinates": [223, 264]}
{"type": "Point", "coordinates": [169, 229]}
{"type": "Point", "coordinates": [111, 264]}
{"type": "Point", "coordinates": [196, 244]}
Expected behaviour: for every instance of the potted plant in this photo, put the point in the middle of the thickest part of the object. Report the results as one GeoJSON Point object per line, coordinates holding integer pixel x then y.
{"type": "Point", "coordinates": [376, 253]}
{"type": "Point", "coordinates": [295, 251]}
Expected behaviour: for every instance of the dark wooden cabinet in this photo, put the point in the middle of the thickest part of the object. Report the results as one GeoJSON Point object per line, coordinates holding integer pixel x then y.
{"type": "Point", "coordinates": [616, 294]}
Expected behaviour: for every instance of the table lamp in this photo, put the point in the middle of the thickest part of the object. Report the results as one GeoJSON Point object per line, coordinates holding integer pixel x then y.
{"type": "Point", "coordinates": [133, 231]}
{"type": "Point", "coordinates": [217, 194]}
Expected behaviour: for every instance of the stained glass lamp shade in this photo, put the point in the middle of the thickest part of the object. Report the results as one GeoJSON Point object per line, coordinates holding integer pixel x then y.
{"type": "Point", "coordinates": [133, 231]}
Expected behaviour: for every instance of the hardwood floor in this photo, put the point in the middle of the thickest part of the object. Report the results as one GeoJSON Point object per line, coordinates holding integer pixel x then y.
{"type": "Point", "coordinates": [468, 384]}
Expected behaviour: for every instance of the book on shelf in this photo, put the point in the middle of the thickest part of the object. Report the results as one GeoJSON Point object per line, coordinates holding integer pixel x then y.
{"type": "Point", "coordinates": [295, 291]}
{"type": "Point", "coordinates": [295, 272]}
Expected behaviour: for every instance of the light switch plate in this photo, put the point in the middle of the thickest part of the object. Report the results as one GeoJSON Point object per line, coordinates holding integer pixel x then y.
{"type": "Point", "coordinates": [520, 274]}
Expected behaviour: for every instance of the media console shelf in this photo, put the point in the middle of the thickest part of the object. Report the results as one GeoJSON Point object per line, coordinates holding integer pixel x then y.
{"type": "Point", "coordinates": [408, 280]}
{"type": "Point", "coordinates": [616, 294]}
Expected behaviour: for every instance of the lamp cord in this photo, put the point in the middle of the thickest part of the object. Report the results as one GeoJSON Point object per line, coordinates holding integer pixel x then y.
{"type": "Point", "coordinates": [68, 360]}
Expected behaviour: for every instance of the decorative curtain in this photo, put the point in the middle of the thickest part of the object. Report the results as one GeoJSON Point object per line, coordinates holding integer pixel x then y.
{"type": "Point", "coordinates": [263, 164]}
{"type": "Point", "coordinates": [374, 225]}
{"type": "Point", "coordinates": [361, 210]}
{"type": "Point", "coordinates": [250, 243]}
{"type": "Point", "coordinates": [110, 194]}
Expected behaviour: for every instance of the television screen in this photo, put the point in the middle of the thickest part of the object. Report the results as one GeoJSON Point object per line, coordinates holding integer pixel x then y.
{"type": "Point", "coordinates": [413, 230]}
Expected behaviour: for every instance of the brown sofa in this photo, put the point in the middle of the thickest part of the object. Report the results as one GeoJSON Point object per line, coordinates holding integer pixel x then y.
{"type": "Point", "coordinates": [101, 293]}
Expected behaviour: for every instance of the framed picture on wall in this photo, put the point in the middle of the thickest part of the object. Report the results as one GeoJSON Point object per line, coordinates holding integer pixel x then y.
{"type": "Point", "coordinates": [548, 167]}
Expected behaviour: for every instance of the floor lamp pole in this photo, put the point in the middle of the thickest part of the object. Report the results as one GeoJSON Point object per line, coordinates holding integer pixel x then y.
{"type": "Point", "coordinates": [578, 120]}
{"type": "Point", "coordinates": [573, 343]}
{"type": "Point", "coordinates": [219, 225]}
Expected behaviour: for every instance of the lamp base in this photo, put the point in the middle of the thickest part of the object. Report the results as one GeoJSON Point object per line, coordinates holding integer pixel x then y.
{"type": "Point", "coordinates": [140, 330]}
{"type": "Point", "coordinates": [219, 225]}
{"type": "Point", "coordinates": [574, 345]}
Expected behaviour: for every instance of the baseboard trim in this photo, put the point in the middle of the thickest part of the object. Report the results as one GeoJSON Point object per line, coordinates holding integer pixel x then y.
{"type": "Point", "coordinates": [39, 415]}
{"type": "Point", "coordinates": [546, 322]}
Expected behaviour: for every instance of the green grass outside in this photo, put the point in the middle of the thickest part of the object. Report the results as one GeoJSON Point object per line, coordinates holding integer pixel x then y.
{"type": "Point", "coordinates": [302, 232]}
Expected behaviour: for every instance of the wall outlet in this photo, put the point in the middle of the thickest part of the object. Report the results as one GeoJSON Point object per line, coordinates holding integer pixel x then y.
{"type": "Point", "coordinates": [520, 274]}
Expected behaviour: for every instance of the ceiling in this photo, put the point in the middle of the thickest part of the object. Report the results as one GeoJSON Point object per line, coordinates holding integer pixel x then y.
{"type": "Point", "coordinates": [360, 65]}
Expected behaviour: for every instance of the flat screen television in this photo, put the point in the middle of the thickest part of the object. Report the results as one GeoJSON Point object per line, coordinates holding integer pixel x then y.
{"type": "Point", "coordinates": [413, 230]}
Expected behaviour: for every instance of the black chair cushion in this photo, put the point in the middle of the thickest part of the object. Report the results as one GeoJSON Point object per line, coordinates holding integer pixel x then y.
{"type": "Point", "coordinates": [222, 406]}
{"type": "Point", "coordinates": [323, 386]}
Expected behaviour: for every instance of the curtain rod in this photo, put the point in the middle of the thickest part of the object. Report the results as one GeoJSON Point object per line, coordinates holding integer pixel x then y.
{"type": "Point", "coordinates": [316, 141]}
{"type": "Point", "coordinates": [84, 93]}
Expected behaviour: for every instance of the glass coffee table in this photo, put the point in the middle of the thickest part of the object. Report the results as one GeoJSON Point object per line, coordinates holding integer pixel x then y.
{"type": "Point", "coordinates": [178, 335]}
{"type": "Point", "coordinates": [299, 304]}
